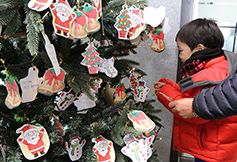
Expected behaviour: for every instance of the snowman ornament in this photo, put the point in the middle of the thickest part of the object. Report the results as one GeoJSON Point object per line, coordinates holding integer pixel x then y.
{"type": "Point", "coordinates": [75, 149]}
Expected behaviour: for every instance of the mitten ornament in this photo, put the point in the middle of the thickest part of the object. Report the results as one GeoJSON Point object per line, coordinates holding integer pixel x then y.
{"type": "Point", "coordinates": [103, 149]}
{"type": "Point", "coordinates": [83, 102]}
{"type": "Point", "coordinates": [75, 148]}
{"type": "Point", "coordinates": [62, 17]}
{"type": "Point", "coordinates": [149, 13]}
{"type": "Point", "coordinates": [39, 5]}
{"type": "Point", "coordinates": [107, 67]}
{"type": "Point", "coordinates": [51, 82]}
{"type": "Point", "coordinates": [13, 98]}
{"type": "Point", "coordinates": [123, 23]}
{"type": "Point", "coordinates": [78, 29]}
{"type": "Point", "coordinates": [141, 121]}
{"type": "Point", "coordinates": [137, 149]}
{"type": "Point", "coordinates": [30, 84]}
{"type": "Point", "coordinates": [33, 141]}
{"type": "Point", "coordinates": [158, 40]}
{"type": "Point", "coordinates": [120, 93]}
{"type": "Point", "coordinates": [133, 81]}
{"type": "Point", "coordinates": [93, 25]}
{"type": "Point", "coordinates": [65, 100]}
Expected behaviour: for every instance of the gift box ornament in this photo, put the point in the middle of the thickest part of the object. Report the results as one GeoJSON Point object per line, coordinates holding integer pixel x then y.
{"type": "Point", "coordinates": [13, 98]}
{"type": "Point", "coordinates": [51, 82]}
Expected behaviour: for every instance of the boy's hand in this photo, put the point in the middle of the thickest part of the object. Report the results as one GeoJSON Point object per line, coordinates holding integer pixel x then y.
{"type": "Point", "coordinates": [158, 85]}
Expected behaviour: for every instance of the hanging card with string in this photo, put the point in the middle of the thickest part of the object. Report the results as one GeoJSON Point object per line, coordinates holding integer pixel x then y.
{"type": "Point", "coordinates": [51, 54]}
{"type": "Point", "coordinates": [39, 5]}
{"type": "Point", "coordinates": [30, 84]}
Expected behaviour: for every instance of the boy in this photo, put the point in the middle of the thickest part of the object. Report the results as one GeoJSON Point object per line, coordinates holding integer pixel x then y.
{"type": "Point", "coordinates": [205, 64]}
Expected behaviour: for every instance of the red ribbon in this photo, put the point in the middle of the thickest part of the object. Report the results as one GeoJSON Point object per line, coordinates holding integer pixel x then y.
{"type": "Point", "coordinates": [91, 15]}
{"type": "Point", "coordinates": [12, 87]}
{"type": "Point", "coordinates": [157, 37]}
{"type": "Point", "coordinates": [49, 76]}
{"type": "Point", "coordinates": [121, 89]}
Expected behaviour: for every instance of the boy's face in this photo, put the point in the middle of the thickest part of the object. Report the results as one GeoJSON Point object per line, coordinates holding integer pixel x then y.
{"type": "Point", "coordinates": [184, 51]}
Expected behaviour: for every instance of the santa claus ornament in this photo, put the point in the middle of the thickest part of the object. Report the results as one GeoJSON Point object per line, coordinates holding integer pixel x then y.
{"type": "Point", "coordinates": [75, 148]}
{"type": "Point", "coordinates": [141, 121]}
{"type": "Point", "coordinates": [138, 149]}
{"type": "Point", "coordinates": [13, 98]}
{"type": "Point", "coordinates": [52, 83]}
{"type": "Point", "coordinates": [103, 149]}
{"type": "Point", "coordinates": [62, 17]}
{"type": "Point", "coordinates": [33, 141]}
{"type": "Point", "coordinates": [30, 84]}
{"type": "Point", "coordinates": [39, 5]}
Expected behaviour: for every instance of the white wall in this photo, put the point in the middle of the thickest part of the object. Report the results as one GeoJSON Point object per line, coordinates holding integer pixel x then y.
{"type": "Point", "coordinates": [161, 65]}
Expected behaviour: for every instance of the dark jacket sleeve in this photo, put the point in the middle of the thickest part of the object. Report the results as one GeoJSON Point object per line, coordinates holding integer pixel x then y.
{"type": "Point", "coordinates": [217, 102]}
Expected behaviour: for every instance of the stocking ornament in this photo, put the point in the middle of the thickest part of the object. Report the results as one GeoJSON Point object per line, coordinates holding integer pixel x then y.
{"type": "Point", "coordinates": [30, 84]}
{"type": "Point", "coordinates": [65, 100]}
{"type": "Point", "coordinates": [13, 98]}
{"type": "Point", "coordinates": [75, 148]}
{"type": "Point", "coordinates": [62, 17]}
{"type": "Point", "coordinates": [141, 121]}
{"type": "Point", "coordinates": [33, 141]}
{"type": "Point", "coordinates": [58, 126]}
{"type": "Point", "coordinates": [103, 149]}
{"type": "Point", "coordinates": [39, 5]}
{"type": "Point", "coordinates": [51, 82]}
{"type": "Point", "coordinates": [107, 67]}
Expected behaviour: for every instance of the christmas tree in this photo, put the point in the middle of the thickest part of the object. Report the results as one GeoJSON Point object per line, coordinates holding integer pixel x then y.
{"type": "Point", "coordinates": [24, 48]}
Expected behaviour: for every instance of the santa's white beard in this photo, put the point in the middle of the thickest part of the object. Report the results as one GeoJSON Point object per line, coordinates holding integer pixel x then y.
{"type": "Point", "coordinates": [33, 140]}
{"type": "Point", "coordinates": [62, 17]}
{"type": "Point", "coordinates": [103, 151]}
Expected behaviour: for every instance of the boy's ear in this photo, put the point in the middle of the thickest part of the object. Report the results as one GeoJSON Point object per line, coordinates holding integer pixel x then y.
{"type": "Point", "coordinates": [200, 47]}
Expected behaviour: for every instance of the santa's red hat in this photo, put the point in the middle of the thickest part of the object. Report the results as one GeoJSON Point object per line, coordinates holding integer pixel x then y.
{"type": "Point", "coordinates": [25, 129]}
{"type": "Point", "coordinates": [99, 140]}
{"type": "Point", "coordinates": [64, 3]}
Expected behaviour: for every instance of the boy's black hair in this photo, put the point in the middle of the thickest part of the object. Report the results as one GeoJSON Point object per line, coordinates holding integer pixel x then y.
{"type": "Point", "coordinates": [201, 31]}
